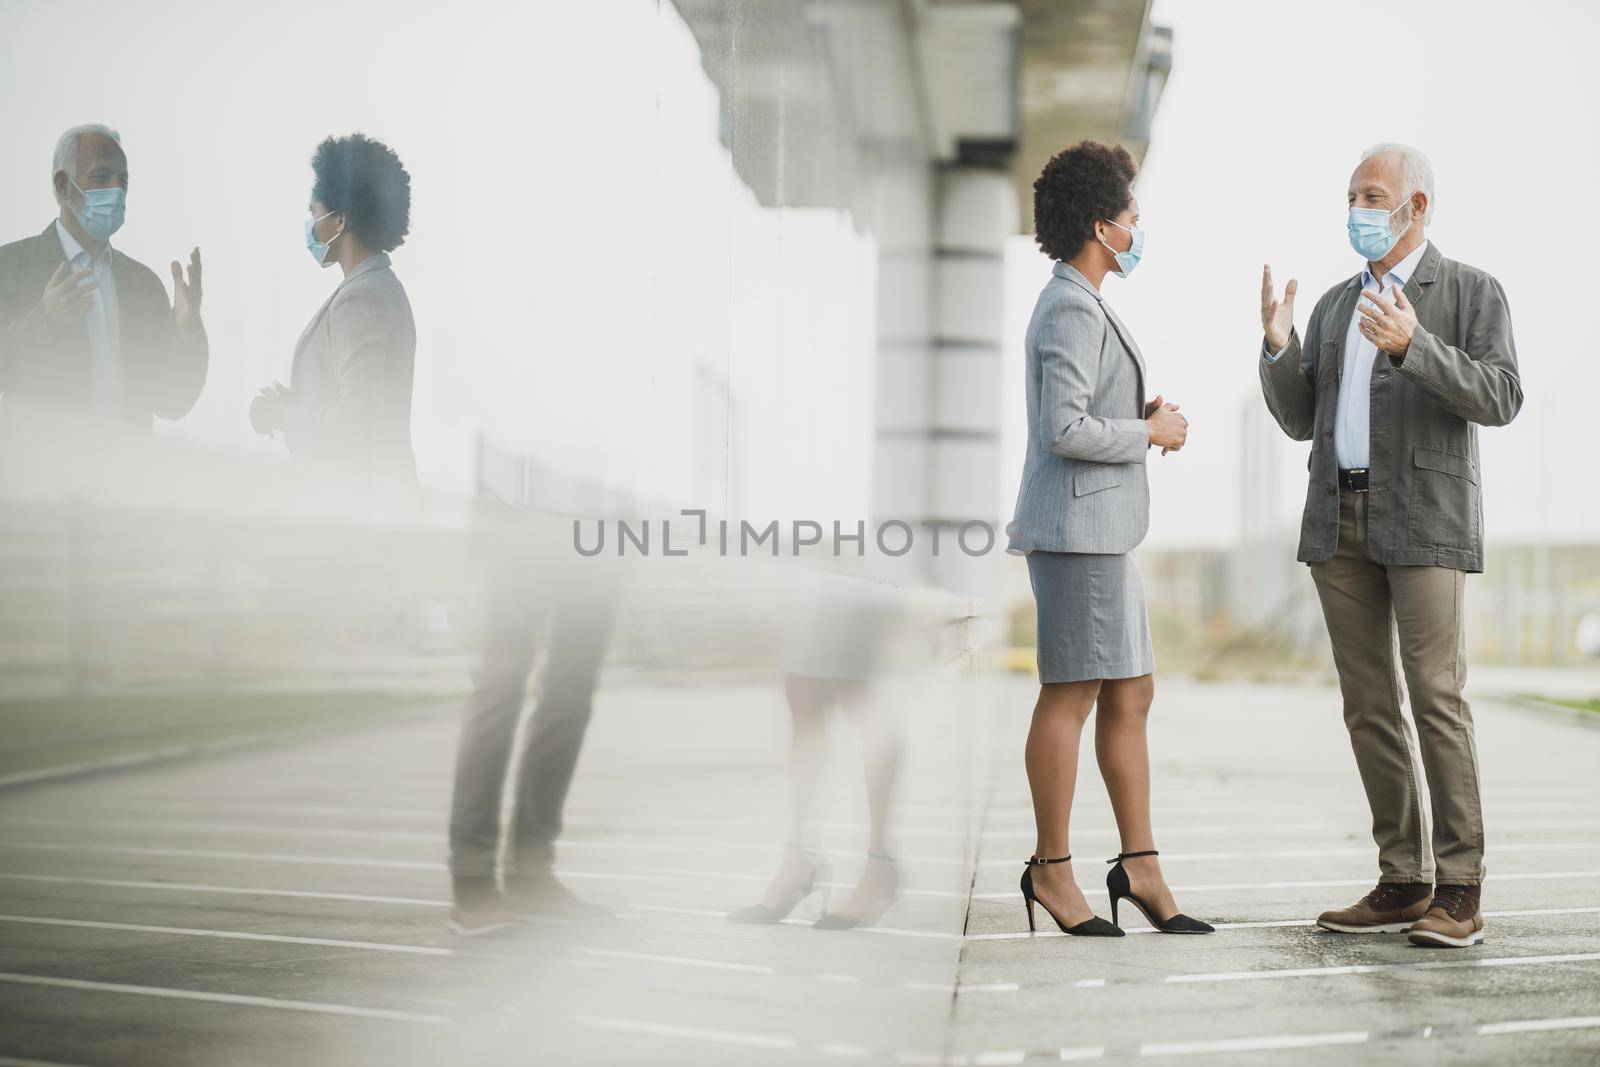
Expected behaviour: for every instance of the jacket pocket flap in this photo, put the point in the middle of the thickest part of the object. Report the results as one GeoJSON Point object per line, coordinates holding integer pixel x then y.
{"type": "Point", "coordinates": [1437, 459]}
{"type": "Point", "coordinates": [1094, 479]}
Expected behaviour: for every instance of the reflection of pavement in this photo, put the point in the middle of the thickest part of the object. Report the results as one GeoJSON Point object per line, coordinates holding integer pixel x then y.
{"type": "Point", "coordinates": [286, 905]}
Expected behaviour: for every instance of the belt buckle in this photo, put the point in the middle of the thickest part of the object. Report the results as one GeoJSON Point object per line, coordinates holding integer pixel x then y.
{"type": "Point", "coordinates": [1363, 471]}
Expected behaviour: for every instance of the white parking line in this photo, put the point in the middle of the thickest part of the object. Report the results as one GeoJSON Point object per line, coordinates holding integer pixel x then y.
{"type": "Point", "coordinates": [227, 998]}
{"type": "Point", "coordinates": [365, 808]}
{"type": "Point", "coordinates": [890, 931]}
{"type": "Point", "coordinates": [1520, 876]}
{"type": "Point", "coordinates": [228, 854]}
{"type": "Point", "coordinates": [227, 828]}
{"type": "Point", "coordinates": [668, 909]}
{"type": "Point", "coordinates": [850, 1052]}
{"type": "Point", "coordinates": [1321, 883]}
{"type": "Point", "coordinates": [1379, 968]}
{"type": "Point", "coordinates": [1530, 1026]}
{"type": "Point", "coordinates": [1365, 850]}
{"type": "Point", "coordinates": [708, 913]}
{"type": "Point", "coordinates": [1082, 1053]}
{"type": "Point", "coordinates": [1014, 935]}
{"type": "Point", "coordinates": [686, 961]}
{"type": "Point", "coordinates": [658, 844]}
{"type": "Point", "coordinates": [944, 988]}
{"type": "Point", "coordinates": [1253, 1044]}
{"type": "Point", "coordinates": [195, 887]}
{"type": "Point", "coordinates": [375, 946]}
{"type": "Point", "coordinates": [350, 861]}
{"type": "Point", "coordinates": [676, 874]}
{"type": "Point", "coordinates": [721, 1037]}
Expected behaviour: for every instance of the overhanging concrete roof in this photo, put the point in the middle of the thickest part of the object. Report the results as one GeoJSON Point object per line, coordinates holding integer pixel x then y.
{"type": "Point", "coordinates": [1090, 68]}
{"type": "Point", "coordinates": [807, 87]}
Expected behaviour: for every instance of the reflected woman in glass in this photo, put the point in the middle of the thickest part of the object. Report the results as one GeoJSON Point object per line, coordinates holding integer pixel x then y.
{"type": "Point", "coordinates": [349, 396]}
{"type": "Point", "coordinates": [1083, 506]}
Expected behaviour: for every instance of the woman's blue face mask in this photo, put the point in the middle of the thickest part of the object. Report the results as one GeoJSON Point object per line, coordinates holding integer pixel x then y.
{"type": "Point", "coordinates": [319, 249]}
{"type": "Point", "coordinates": [1128, 260]}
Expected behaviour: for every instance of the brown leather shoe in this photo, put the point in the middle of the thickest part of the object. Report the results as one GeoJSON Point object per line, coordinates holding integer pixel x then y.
{"type": "Point", "coordinates": [1453, 920]}
{"type": "Point", "coordinates": [1390, 908]}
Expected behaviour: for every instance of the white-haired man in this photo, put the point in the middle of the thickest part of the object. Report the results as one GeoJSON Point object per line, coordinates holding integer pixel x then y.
{"type": "Point", "coordinates": [84, 329]}
{"type": "Point", "coordinates": [1398, 368]}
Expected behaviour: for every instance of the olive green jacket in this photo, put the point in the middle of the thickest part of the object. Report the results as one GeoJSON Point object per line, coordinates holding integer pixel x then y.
{"type": "Point", "coordinates": [1459, 373]}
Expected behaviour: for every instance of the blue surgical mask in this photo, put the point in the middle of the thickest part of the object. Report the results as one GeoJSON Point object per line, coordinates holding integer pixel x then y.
{"type": "Point", "coordinates": [1128, 260]}
{"type": "Point", "coordinates": [104, 210]}
{"type": "Point", "coordinates": [1369, 232]}
{"type": "Point", "coordinates": [319, 249]}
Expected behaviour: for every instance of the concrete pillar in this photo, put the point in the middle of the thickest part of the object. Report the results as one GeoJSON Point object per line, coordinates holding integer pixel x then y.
{"type": "Point", "coordinates": [977, 212]}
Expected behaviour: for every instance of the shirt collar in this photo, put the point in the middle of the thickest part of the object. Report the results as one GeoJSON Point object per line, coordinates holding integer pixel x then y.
{"type": "Point", "coordinates": [70, 248]}
{"type": "Point", "coordinates": [1401, 272]}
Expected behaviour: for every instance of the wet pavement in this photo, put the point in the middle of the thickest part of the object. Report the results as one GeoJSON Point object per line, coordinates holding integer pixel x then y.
{"type": "Point", "coordinates": [287, 904]}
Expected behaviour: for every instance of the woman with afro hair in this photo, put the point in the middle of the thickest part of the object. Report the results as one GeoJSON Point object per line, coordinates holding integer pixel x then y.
{"type": "Point", "coordinates": [1083, 506]}
{"type": "Point", "coordinates": [349, 396]}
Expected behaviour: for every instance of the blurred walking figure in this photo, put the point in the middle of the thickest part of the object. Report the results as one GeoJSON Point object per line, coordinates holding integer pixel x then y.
{"type": "Point", "coordinates": [84, 329]}
{"type": "Point", "coordinates": [833, 655]}
{"type": "Point", "coordinates": [1083, 506]}
{"type": "Point", "coordinates": [537, 599]}
{"type": "Point", "coordinates": [1399, 366]}
{"type": "Point", "coordinates": [348, 401]}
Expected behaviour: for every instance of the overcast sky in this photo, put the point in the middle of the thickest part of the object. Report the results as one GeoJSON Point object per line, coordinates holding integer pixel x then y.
{"type": "Point", "coordinates": [529, 222]}
{"type": "Point", "coordinates": [591, 281]}
{"type": "Point", "coordinates": [1268, 107]}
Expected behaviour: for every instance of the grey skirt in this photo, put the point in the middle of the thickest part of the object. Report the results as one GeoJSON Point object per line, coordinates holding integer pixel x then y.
{"type": "Point", "coordinates": [1092, 621]}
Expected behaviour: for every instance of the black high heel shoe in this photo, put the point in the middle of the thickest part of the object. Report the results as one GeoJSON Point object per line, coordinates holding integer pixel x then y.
{"type": "Point", "coordinates": [1117, 885]}
{"type": "Point", "coordinates": [792, 896]}
{"type": "Point", "coordinates": [836, 920]}
{"type": "Point", "coordinates": [1090, 927]}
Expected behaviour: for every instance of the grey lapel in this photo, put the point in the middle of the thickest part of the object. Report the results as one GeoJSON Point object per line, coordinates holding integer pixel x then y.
{"type": "Point", "coordinates": [1427, 270]}
{"type": "Point", "coordinates": [1127, 341]}
{"type": "Point", "coordinates": [1073, 275]}
{"type": "Point", "coordinates": [376, 261]}
{"type": "Point", "coordinates": [50, 245]}
{"type": "Point", "coordinates": [1341, 324]}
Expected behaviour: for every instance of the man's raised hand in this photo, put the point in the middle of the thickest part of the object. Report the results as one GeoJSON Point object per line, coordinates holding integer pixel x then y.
{"type": "Point", "coordinates": [1277, 316]}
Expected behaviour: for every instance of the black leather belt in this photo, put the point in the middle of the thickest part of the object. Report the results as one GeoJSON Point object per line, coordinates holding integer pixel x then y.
{"type": "Point", "coordinates": [1353, 479]}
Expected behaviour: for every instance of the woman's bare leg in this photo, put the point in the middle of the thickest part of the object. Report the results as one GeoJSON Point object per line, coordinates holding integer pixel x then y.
{"type": "Point", "coordinates": [881, 745]}
{"type": "Point", "coordinates": [1121, 745]}
{"type": "Point", "coordinates": [808, 709]}
{"type": "Point", "coordinates": [1052, 762]}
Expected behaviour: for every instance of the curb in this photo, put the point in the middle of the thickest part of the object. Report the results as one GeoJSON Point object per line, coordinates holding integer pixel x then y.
{"type": "Point", "coordinates": [1551, 711]}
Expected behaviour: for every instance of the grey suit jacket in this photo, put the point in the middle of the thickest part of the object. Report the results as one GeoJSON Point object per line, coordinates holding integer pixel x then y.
{"type": "Point", "coordinates": [163, 367]}
{"type": "Point", "coordinates": [1424, 507]}
{"type": "Point", "coordinates": [352, 376]}
{"type": "Point", "coordinates": [1084, 487]}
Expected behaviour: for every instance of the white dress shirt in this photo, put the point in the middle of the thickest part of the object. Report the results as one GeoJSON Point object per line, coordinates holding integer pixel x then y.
{"type": "Point", "coordinates": [103, 323]}
{"type": "Point", "coordinates": [1352, 421]}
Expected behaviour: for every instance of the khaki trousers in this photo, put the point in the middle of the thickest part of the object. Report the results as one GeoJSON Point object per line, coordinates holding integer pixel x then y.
{"type": "Point", "coordinates": [1373, 610]}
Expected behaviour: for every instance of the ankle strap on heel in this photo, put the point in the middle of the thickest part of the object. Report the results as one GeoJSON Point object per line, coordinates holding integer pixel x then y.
{"type": "Point", "coordinates": [1040, 861]}
{"type": "Point", "coordinates": [1133, 855]}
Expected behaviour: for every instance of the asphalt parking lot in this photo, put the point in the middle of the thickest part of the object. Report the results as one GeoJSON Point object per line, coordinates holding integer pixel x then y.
{"type": "Point", "coordinates": [286, 904]}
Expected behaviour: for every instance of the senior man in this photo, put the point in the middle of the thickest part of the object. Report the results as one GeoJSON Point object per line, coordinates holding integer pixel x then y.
{"type": "Point", "coordinates": [84, 329]}
{"type": "Point", "coordinates": [1397, 369]}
